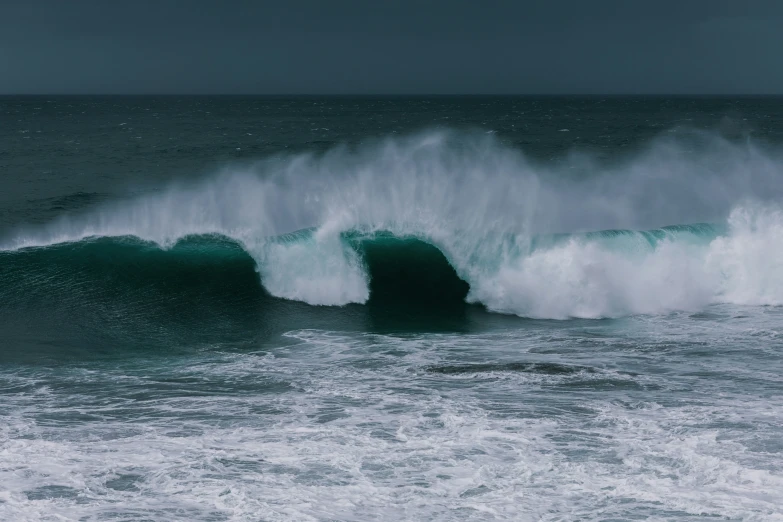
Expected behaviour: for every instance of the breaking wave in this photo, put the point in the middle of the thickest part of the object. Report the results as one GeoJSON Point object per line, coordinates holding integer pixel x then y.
{"type": "Point", "coordinates": [444, 218]}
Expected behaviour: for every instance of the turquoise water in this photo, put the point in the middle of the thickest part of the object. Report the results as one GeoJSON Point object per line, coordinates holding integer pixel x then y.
{"type": "Point", "coordinates": [391, 308]}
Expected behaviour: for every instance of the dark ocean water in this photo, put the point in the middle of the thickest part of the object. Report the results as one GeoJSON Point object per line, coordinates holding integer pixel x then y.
{"type": "Point", "coordinates": [451, 308]}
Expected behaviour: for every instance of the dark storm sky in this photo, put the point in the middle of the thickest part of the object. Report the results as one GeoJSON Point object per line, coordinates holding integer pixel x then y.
{"type": "Point", "coordinates": [386, 46]}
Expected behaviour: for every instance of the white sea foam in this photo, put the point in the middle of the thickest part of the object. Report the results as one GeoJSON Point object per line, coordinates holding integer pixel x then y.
{"type": "Point", "coordinates": [482, 203]}
{"type": "Point", "coordinates": [588, 278]}
{"type": "Point", "coordinates": [316, 433]}
{"type": "Point", "coordinates": [316, 270]}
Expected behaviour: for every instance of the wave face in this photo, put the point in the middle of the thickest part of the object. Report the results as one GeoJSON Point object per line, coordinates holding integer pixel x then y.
{"type": "Point", "coordinates": [439, 219]}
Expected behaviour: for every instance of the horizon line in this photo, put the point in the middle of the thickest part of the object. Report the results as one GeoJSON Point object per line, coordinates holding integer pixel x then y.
{"type": "Point", "coordinates": [393, 95]}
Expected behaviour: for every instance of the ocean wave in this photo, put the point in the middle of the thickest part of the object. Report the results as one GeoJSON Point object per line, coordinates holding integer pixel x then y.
{"type": "Point", "coordinates": [599, 274]}
{"type": "Point", "coordinates": [444, 218]}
